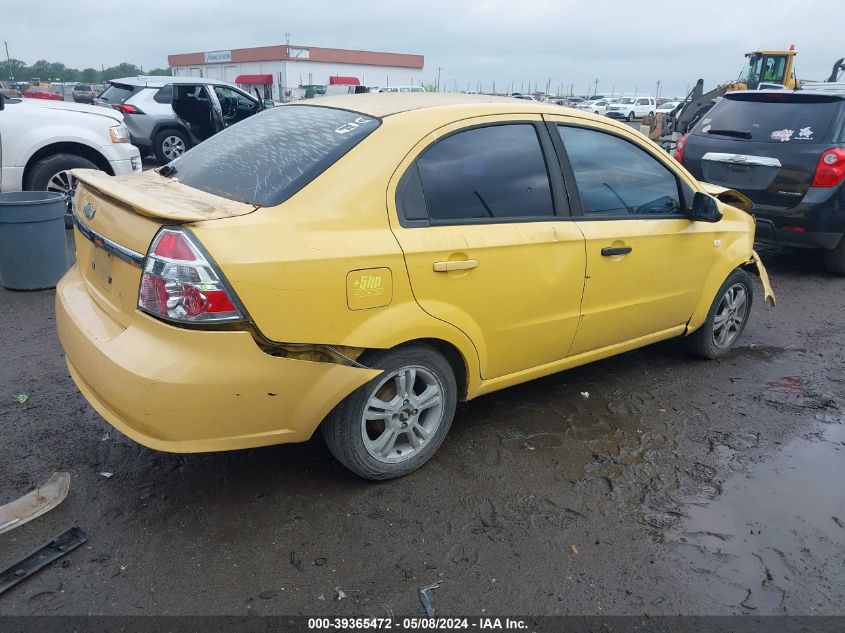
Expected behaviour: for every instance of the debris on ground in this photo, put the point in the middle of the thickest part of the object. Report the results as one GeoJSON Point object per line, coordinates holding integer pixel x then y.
{"type": "Point", "coordinates": [296, 562]}
{"type": "Point", "coordinates": [267, 594]}
{"type": "Point", "coordinates": [585, 394]}
{"type": "Point", "coordinates": [339, 594]}
{"type": "Point", "coordinates": [107, 475]}
{"type": "Point", "coordinates": [574, 548]}
{"type": "Point", "coordinates": [427, 597]}
{"type": "Point", "coordinates": [35, 503]}
{"type": "Point", "coordinates": [320, 562]}
{"type": "Point", "coordinates": [65, 542]}
{"type": "Point", "coordinates": [22, 398]}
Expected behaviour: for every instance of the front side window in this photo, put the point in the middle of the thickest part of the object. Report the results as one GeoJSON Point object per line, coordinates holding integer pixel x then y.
{"type": "Point", "coordinates": [495, 171]}
{"type": "Point", "coordinates": [616, 178]}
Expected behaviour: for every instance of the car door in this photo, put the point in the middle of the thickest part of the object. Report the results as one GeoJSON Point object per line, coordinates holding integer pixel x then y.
{"type": "Point", "coordinates": [646, 260]}
{"type": "Point", "coordinates": [489, 245]}
{"type": "Point", "coordinates": [235, 105]}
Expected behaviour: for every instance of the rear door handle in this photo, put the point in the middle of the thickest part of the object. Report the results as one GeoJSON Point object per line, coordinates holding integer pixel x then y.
{"type": "Point", "coordinates": [460, 264]}
{"type": "Point", "coordinates": [610, 251]}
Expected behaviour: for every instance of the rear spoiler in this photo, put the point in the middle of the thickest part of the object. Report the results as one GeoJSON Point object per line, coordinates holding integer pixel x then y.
{"type": "Point", "coordinates": [729, 196]}
{"type": "Point", "coordinates": [155, 196]}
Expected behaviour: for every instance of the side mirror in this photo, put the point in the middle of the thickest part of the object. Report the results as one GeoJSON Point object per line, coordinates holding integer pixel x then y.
{"type": "Point", "coordinates": [704, 208]}
{"type": "Point", "coordinates": [268, 103]}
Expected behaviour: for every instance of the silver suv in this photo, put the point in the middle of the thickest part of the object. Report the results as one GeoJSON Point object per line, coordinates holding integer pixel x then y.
{"type": "Point", "coordinates": [169, 115]}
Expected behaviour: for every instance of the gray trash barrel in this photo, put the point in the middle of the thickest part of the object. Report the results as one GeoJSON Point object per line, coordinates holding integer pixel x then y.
{"type": "Point", "coordinates": [33, 247]}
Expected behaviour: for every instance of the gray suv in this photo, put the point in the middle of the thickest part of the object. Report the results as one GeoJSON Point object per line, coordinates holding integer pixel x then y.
{"type": "Point", "coordinates": [169, 115]}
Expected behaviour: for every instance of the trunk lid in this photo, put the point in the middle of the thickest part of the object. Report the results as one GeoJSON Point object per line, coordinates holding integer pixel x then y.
{"type": "Point", "coordinates": [764, 145]}
{"type": "Point", "coordinates": [116, 219]}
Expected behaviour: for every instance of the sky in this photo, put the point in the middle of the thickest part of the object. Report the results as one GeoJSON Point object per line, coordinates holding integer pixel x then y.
{"type": "Point", "coordinates": [626, 45]}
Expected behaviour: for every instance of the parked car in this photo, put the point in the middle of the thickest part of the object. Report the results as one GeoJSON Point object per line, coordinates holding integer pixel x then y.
{"type": "Point", "coordinates": [402, 89]}
{"type": "Point", "coordinates": [8, 90]}
{"type": "Point", "coordinates": [42, 141]}
{"type": "Point", "coordinates": [259, 290]}
{"type": "Point", "coordinates": [524, 97]}
{"type": "Point", "coordinates": [169, 115]}
{"type": "Point", "coordinates": [598, 106]}
{"type": "Point", "coordinates": [667, 107]}
{"type": "Point", "coordinates": [84, 93]}
{"type": "Point", "coordinates": [630, 108]}
{"type": "Point", "coordinates": [785, 150]}
{"type": "Point", "coordinates": [42, 93]}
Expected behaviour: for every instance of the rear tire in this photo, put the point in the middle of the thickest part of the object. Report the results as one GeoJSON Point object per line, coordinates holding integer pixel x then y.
{"type": "Point", "coordinates": [834, 261]}
{"type": "Point", "coordinates": [170, 145]}
{"type": "Point", "coordinates": [53, 174]}
{"type": "Point", "coordinates": [395, 423]}
{"type": "Point", "coordinates": [630, 116]}
{"type": "Point", "coordinates": [726, 318]}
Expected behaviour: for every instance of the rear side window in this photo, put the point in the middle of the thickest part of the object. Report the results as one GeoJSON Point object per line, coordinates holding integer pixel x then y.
{"type": "Point", "coordinates": [487, 172]}
{"type": "Point", "coordinates": [266, 158]}
{"type": "Point", "coordinates": [779, 119]}
{"type": "Point", "coordinates": [633, 183]}
{"type": "Point", "coordinates": [118, 93]}
{"type": "Point", "coordinates": [164, 94]}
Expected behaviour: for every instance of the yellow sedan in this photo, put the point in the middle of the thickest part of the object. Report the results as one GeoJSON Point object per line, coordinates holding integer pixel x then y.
{"type": "Point", "coordinates": [359, 264]}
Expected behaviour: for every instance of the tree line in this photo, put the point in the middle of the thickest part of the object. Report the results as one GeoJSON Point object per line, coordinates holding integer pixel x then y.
{"type": "Point", "coordinates": [17, 70]}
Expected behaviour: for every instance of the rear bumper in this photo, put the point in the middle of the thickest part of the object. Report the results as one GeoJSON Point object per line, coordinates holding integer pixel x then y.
{"type": "Point", "coordinates": [768, 233]}
{"type": "Point", "coordinates": [181, 390]}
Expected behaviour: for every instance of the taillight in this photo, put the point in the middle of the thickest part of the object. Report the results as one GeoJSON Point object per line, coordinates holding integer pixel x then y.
{"type": "Point", "coordinates": [126, 108]}
{"type": "Point", "coordinates": [831, 168]}
{"type": "Point", "coordinates": [679, 148]}
{"type": "Point", "coordinates": [180, 284]}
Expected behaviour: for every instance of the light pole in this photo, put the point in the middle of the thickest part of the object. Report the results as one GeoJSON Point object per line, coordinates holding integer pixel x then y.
{"type": "Point", "coordinates": [9, 59]}
{"type": "Point", "coordinates": [596, 89]}
{"type": "Point", "coordinates": [437, 86]}
{"type": "Point", "coordinates": [657, 93]}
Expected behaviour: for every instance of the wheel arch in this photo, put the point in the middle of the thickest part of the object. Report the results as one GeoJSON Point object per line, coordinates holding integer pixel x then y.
{"type": "Point", "coordinates": [66, 147]}
{"type": "Point", "coordinates": [164, 126]}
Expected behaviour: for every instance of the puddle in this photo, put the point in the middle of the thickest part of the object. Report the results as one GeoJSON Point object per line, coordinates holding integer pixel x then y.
{"type": "Point", "coordinates": [774, 537]}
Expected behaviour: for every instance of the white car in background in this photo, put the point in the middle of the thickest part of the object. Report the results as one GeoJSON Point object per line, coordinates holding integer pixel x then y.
{"type": "Point", "coordinates": [597, 106]}
{"type": "Point", "coordinates": [667, 107]}
{"type": "Point", "coordinates": [41, 141]}
{"type": "Point", "coordinates": [630, 108]}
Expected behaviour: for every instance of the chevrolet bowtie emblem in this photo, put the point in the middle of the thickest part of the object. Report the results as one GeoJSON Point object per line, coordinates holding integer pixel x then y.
{"type": "Point", "coordinates": [88, 210]}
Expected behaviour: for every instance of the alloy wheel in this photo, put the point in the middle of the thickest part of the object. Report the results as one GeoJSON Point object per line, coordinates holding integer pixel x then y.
{"type": "Point", "coordinates": [172, 147]}
{"type": "Point", "coordinates": [64, 183]}
{"type": "Point", "coordinates": [402, 414]}
{"type": "Point", "coordinates": [730, 316]}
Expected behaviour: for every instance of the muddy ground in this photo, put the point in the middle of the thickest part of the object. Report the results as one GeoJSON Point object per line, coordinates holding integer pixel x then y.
{"type": "Point", "coordinates": [678, 486]}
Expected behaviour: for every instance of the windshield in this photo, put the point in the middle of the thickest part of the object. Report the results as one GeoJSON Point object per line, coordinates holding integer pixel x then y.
{"type": "Point", "coordinates": [771, 118]}
{"type": "Point", "coordinates": [627, 100]}
{"type": "Point", "coordinates": [268, 157]}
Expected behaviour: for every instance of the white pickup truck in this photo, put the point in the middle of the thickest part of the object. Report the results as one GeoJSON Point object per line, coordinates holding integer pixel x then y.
{"type": "Point", "coordinates": [41, 141]}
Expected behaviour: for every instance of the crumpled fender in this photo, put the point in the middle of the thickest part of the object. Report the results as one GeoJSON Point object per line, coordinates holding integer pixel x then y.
{"type": "Point", "coordinates": [756, 262]}
{"type": "Point", "coordinates": [729, 196]}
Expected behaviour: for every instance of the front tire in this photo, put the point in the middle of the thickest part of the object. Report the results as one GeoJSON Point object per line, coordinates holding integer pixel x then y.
{"type": "Point", "coordinates": [53, 174]}
{"type": "Point", "coordinates": [395, 423]}
{"type": "Point", "coordinates": [630, 116]}
{"type": "Point", "coordinates": [834, 261]}
{"type": "Point", "coordinates": [726, 319]}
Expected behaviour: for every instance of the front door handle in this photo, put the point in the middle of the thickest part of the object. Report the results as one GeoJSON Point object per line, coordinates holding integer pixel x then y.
{"type": "Point", "coordinates": [458, 264]}
{"type": "Point", "coordinates": [610, 251]}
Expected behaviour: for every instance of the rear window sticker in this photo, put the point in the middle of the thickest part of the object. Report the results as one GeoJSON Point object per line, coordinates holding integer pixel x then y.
{"type": "Point", "coordinates": [805, 133]}
{"type": "Point", "coordinates": [782, 135]}
{"type": "Point", "coordinates": [705, 129]}
{"type": "Point", "coordinates": [706, 121]}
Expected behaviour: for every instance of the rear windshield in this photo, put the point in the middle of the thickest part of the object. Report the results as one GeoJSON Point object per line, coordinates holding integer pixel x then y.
{"type": "Point", "coordinates": [268, 157]}
{"type": "Point", "coordinates": [83, 88]}
{"type": "Point", "coordinates": [779, 118]}
{"type": "Point", "coordinates": [117, 93]}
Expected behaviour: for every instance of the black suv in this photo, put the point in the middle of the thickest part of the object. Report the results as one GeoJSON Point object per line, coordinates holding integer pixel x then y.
{"type": "Point", "coordinates": [786, 151]}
